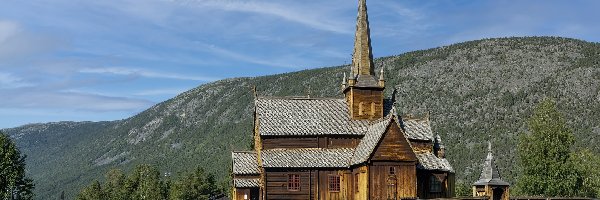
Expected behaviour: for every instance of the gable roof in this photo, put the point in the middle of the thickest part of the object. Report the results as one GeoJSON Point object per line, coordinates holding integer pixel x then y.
{"type": "Point", "coordinates": [489, 174]}
{"type": "Point", "coordinates": [417, 129]}
{"type": "Point", "coordinates": [368, 143]}
{"type": "Point", "coordinates": [244, 163]}
{"type": "Point", "coordinates": [304, 116]}
{"type": "Point", "coordinates": [306, 158]}
{"type": "Point", "coordinates": [428, 161]}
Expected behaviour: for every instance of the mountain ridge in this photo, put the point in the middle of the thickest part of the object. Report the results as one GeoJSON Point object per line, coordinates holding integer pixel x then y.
{"type": "Point", "coordinates": [474, 91]}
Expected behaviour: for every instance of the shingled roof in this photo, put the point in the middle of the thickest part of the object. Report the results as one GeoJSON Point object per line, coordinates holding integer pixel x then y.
{"type": "Point", "coordinates": [246, 182]}
{"type": "Point", "coordinates": [417, 129]}
{"type": "Point", "coordinates": [429, 161]}
{"type": "Point", "coordinates": [369, 142]}
{"type": "Point", "coordinates": [244, 163]}
{"type": "Point", "coordinates": [489, 174]}
{"type": "Point", "coordinates": [303, 116]}
{"type": "Point", "coordinates": [306, 158]}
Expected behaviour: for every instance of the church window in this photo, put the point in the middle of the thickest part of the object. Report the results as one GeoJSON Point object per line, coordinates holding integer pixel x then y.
{"type": "Point", "coordinates": [435, 185]}
{"type": "Point", "coordinates": [392, 170]}
{"type": "Point", "coordinates": [360, 108]}
{"type": "Point", "coordinates": [372, 109]}
{"type": "Point", "coordinates": [293, 182]}
{"type": "Point", "coordinates": [334, 183]}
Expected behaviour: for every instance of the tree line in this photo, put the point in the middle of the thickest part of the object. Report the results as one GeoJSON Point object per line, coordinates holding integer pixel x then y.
{"type": "Point", "coordinates": [145, 182]}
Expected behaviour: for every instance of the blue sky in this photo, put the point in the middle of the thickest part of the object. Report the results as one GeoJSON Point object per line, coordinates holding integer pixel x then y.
{"type": "Point", "coordinates": [91, 60]}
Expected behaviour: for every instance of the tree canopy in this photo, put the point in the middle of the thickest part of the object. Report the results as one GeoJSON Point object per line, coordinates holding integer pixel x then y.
{"type": "Point", "coordinates": [548, 162]}
{"type": "Point", "coordinates": [13, 183]}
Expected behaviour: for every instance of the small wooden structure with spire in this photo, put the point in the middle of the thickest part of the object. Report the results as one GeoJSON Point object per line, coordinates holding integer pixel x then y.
{"type": "Point", "coordinates": [490, 184]}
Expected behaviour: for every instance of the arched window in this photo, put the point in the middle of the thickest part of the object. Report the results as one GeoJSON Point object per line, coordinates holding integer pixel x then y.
{"type": "Point", "coordinates": [372, 108]}
{"type": "Point", "coordinates": [392, 170]}
{"type": "Point", "coordinates": [361, 108]}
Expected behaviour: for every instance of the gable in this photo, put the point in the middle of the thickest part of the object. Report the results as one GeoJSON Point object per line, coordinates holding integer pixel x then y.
{"type": "Point", "coordinates": [393, 146]}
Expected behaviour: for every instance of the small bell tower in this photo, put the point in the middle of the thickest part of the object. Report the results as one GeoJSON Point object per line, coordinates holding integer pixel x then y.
{"type": "Point", "coordinates": [363, 91]}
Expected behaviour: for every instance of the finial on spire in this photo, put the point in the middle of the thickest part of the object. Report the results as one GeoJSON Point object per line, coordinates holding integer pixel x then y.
{"type": "Point", "coordinates": [489, 147]}
{"type": "Point", "coordinates": [344, 82]}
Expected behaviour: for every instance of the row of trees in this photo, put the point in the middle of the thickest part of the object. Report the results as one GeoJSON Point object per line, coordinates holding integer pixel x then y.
{"type": "Point", "coordinates": [145, 182]}
{"type": "Point", "coordinates": [13, 183]}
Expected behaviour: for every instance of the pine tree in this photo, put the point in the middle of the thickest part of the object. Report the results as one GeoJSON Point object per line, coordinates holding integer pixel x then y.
{"type": "Point", "coordinates": [92, 192]}
{"type": "Point", "coordinates": [13, 183]}
{"type": "Point", "coordinates": [546, 166]}
{"type": "Point", "coordinates": [114, 188]}
{"type": "Point", "coordinates": [144, 183]}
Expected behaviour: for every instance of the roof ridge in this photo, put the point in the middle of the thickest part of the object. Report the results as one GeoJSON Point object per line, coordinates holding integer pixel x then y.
{"type": "Point", "coordinates": [243, 151]}
{"type": "Point", "coordinates": [298, 98]}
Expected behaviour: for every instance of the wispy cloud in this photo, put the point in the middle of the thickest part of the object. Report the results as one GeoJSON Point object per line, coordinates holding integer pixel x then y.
{"type": "Point", "coordinates": [16, 42]}
{"type": "Point", "coordinates": [10, 81]}
{"type": "Point", "coordinates": [145, 73]}
{"type": "Point", "coordinates": [304, 16]}
{"type": "Point", "coordinates": [69, 101]}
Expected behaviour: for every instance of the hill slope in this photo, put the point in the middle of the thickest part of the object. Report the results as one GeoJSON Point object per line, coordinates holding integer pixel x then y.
{"type": "Point", "coordinates": [473, 91]}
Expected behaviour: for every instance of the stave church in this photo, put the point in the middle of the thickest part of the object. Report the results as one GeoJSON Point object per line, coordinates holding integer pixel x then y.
{"type": "Point", "coordinates": [355, 147]}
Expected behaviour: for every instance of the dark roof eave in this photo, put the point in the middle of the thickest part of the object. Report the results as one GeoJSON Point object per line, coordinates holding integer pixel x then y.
{"type": "Point", "coordinates": [493, 182]}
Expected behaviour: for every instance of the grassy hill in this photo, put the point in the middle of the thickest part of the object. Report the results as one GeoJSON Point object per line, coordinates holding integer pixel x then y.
{"type": "Point", "coordinates": [474, 91]}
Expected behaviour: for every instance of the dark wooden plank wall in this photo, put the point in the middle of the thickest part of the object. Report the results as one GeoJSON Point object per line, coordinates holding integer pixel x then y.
{"type": "Point", "coordinates": [276, 185]}
{"type": "Point", "coordinates": [406, 179]}
{"type": "Point", "coordinates": [289, 142]}
{"type": "Point", "coordinates": [423, 182]}
{"type": "Point", "coordinates": [394, 146]}
{"type": "Point", "coordinates": [310, 142]}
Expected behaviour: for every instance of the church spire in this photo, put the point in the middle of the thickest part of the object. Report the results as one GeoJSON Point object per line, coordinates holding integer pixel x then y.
{"type": "Point", "coordinates": [362, 58]}
{"type": "Point", "coordinates": [364, 92]}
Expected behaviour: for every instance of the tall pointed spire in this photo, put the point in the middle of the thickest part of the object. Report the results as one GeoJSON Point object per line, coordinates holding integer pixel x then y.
{"type": "Point", "coordinates": [364, 92]}
{"type": "Point", "coordinates": [362, 58]}
{"type": "Point", "coordinates": [489, 174]}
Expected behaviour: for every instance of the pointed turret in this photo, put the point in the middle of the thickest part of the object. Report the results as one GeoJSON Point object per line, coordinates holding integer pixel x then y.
{"type": "Point", "coordinates": [364, 92]}
{"type": "Point", "coordinates": [489, 174]}
{"type": "Point", "coordinates": [489, 183]}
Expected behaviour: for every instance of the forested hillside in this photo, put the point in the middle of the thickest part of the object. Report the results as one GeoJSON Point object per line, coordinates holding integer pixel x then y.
{"type": "Point", "coordinates": [474, 91]}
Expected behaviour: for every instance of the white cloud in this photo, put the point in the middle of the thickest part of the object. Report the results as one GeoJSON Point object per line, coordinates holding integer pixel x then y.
{"type": "Point", "coordinates": [145, 73]}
